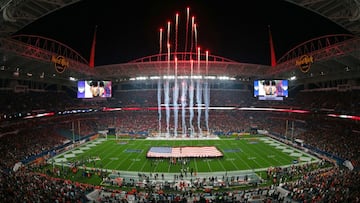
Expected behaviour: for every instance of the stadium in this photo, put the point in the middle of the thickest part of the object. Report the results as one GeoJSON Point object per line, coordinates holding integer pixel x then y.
{"type": "Point", "coordinates": [182, 125]}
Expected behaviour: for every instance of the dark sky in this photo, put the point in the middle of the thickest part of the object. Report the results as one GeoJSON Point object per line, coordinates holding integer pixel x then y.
{"type": "Point", "coordinates": [128, 30]}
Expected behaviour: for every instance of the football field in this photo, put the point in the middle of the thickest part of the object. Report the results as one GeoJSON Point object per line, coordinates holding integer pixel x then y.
{"type": "Point", "coordinates": [255, 153]}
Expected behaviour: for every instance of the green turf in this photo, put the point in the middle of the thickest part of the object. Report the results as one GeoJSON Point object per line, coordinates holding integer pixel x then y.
{"type": "Point", "coordinates": [248, 153]}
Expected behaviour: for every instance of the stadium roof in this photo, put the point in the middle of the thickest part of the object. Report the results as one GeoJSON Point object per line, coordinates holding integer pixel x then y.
{"type": "Point", "coordinates": [345, 13]}
{"type": "Point", "coordinates": [16, 14]}
{"type": "Point", "coordinates": [335, 57]}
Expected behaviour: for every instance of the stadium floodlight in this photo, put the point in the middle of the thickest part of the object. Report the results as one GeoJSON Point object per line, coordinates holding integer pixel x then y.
{"type": "Point", "coordinates": [210, 77]}
{"type": "Point", "coordinates": [223, 78]}
{"type": "Point", "coordinates": [169, 77]}
{"type": "Point", "coordinates": [172, 77]}
{"type": "Point", "coordinates": [196, 77]}
{"type": "Point", "coordinates": [183, 77]}
{"type": "Point", "coordinates": [154, 77]}
{"type": "Point", "coordinates": [141, 78]}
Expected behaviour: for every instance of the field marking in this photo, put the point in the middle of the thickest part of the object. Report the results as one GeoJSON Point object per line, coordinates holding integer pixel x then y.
{"type": "Point", "coordinates": [112, 149]}
{"type": "Point", "coordinates": [258, 155]}
{"type": "Point", "coordinates": [60, 160]}
{"type": "Point", "coordinates": [169, 167]}
{"type": "Point", "coordinates": [296, 154]}
{"type": "Point", "coordinates": [196, 167]}
{"type": "Point", "coordinates": [222, 165]}
{"type": "Point", "coordinates": [209, 166]}
{"type": "Point", "coordinates": [131, 155]}
{"type": "Point", "coordinates": [77, 151]}
{"type": "Point", "coordinates": [268, 140]}
{"type": "Point", "coordinates": [113, 153]}
{"type": "Point", "coordinates": [69, 155]}
{"type": "Point", "coordinates": [288, 151]}
{"type": "Point", "coordinates": [305, 158]}
{"type": "Point", "coordinates": [280, 147]}
{"type": "Point", "coordinates": [242, 161]}
{"type": "Point", "coordinates": [291, 151]}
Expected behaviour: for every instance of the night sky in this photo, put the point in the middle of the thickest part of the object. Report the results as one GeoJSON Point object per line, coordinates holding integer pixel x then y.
{"type": "Point", "coordinates": [237, 30]}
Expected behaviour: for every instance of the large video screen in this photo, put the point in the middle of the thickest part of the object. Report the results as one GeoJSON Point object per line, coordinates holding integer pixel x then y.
{"type": "Point", "coordinates": [94, 89]}
{"type": "Point", "coordinates": [271, 89]}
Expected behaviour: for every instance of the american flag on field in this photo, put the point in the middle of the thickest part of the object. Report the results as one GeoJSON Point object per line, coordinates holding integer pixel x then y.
{"type": "Point", "coordinates": [199, 152]}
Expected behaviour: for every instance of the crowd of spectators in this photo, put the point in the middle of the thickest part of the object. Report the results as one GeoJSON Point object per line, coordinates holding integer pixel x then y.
{"type": "Point", "coordinates": [21, 139]}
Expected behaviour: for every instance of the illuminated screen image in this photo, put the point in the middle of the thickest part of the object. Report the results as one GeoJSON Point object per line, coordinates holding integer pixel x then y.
{"type": "Point", "coordinates": [94, 88]}
{"type": "Point", "coordinates": [271, 89]}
